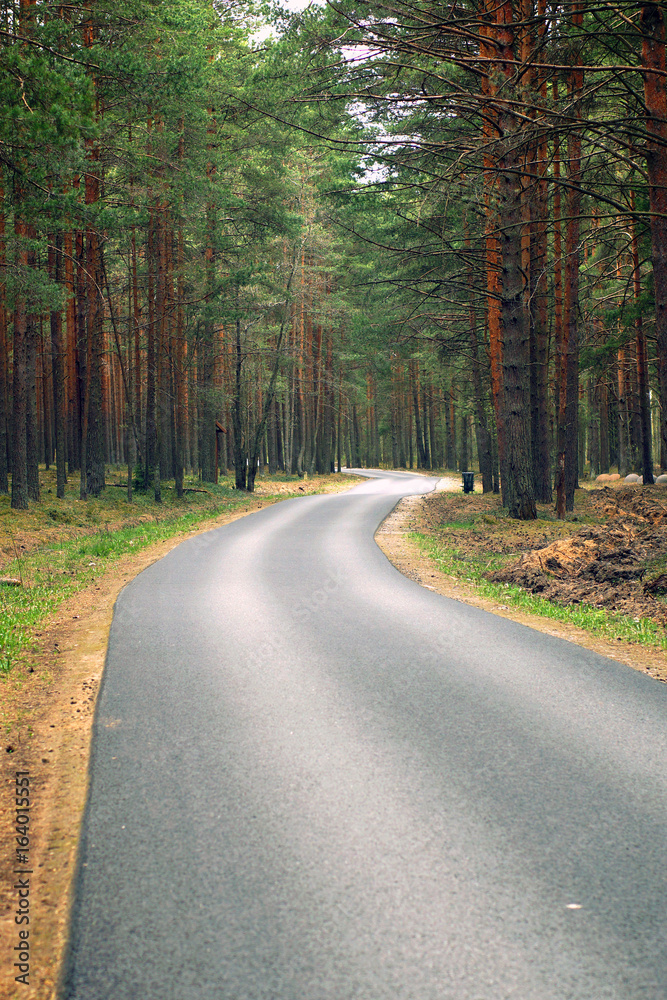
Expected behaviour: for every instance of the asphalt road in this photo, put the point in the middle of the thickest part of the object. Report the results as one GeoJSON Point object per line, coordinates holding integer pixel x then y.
{"type": "Point", "coordinates": [313, 779]}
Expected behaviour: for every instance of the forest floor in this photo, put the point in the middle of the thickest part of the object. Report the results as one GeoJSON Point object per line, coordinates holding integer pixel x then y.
{"type": "Point", "coordinates": [63, 554]}
{"type": "Point", "coordinates": [598, 578]}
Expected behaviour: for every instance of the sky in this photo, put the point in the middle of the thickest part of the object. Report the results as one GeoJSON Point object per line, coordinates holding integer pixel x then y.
{"type": "Point", "coordinates": [296, 6]}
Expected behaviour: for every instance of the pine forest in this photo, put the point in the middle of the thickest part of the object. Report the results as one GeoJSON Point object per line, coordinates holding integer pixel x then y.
{"type": "Point", "coordinates": [236, 238]}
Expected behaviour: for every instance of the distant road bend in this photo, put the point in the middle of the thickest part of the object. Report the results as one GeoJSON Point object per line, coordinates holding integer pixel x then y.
{"type": "Point", "coordinates": [313, 779]}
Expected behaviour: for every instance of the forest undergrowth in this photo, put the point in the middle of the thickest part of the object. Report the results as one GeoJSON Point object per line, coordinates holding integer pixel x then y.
{"type": "Point", "coordinates": [604, 569]}
{"type": "Point", "coordinates": [57, 548]}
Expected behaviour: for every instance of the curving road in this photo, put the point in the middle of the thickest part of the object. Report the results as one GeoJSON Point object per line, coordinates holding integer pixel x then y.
{"type": "Point", "coordinates": [313, 779]}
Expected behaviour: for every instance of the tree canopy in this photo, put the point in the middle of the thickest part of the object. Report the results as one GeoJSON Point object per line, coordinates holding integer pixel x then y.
{"type": "Point", "coordinates": [380, 233]}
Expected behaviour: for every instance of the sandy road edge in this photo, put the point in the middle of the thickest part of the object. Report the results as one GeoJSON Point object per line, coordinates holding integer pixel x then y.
{"type": "Point", "coordinates": [392, 538]}
{"type": "Point", "coordinates": [53, 744]}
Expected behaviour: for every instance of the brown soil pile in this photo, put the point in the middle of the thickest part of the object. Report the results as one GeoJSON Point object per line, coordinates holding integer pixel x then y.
{"type": "Point", "coordinates": [618, 565]}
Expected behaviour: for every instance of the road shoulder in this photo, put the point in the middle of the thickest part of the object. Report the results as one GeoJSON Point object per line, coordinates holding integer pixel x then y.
{"type": "Point", "coordinates": [393, 539]}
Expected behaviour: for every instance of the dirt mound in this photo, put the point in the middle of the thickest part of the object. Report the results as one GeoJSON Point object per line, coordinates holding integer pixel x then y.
{"type": "Point", "coordinates": [640, 503]}
{"type": "Point", "coordinates": [565, 556]}
{"type": "Point", "coordinates": [617, 565]}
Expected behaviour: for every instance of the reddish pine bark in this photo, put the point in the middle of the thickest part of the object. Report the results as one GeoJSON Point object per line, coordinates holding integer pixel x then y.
{"type": "Point", "coordinates": [178, 345]}
{"type": "Point", "coordinates": [19, 499]}
{"type": "Point", "coordinates": [136, 326]}
{"type": "Point", "coordinates": [567, 473]}
{"type": "Point", "coordinates": [642, 364]}
{"type": "Point", "coordinates": [4, 397]}
{"type": "Point", "coordinates": [32, 433]}
{"type": "Point", "coordinates": [573, 203]}
{"type": "Point", "coordinates": [539, 293]}
{"type": "Point", "coordinates": [93, 470]}
{"type": "Point", "coordinates": [491, 238]}
{"type": "Point", "coordinates": [518, 495]}
{"type": "Point", "coordinates": [481, 427]}
{"type": "Point", "coordinates": [655, 98]}
{"type": "Point", "coordinates": [179, 368]}
{"type": "Point", "coordinates": [622, 413]}
{"type": "Point", "coordinates": [151, 352]}
{"type": "Point", "coordinates": [601, 394]}
{"type": "Point", "coordinates": [73, 411]}
{"type": "Point", "coordinates": [95, 451]}
{"type": "Point", "coordinates": [414, 384]}
{"type": "Point", "coordinates": [58, 358]}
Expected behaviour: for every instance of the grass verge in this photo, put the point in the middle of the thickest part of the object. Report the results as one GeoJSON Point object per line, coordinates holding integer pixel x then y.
{"type": "Point", "coordinates": [60, 547]}
{"type": "Point", "coordinates": [472, 568]}
{"type": "Point", "coordinates": [50, 574]}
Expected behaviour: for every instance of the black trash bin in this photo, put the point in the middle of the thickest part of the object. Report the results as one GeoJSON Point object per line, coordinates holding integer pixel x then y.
{"type": "Point", "coordinates": [468, 482]}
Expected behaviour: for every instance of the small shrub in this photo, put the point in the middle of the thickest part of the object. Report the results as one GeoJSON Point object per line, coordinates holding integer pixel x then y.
{"type": "Point", "coordinates": [139, 479]}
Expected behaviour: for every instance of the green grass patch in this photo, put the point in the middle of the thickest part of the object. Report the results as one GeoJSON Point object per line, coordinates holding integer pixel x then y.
{"type": "Point", "coordinates": [598, 621]}
{"type": "Point", "coordinates": [68, 560]}
{"type": "Point", "coordinates": [59, 547]}
{"type": "Point", "coordinates": [54, 572]}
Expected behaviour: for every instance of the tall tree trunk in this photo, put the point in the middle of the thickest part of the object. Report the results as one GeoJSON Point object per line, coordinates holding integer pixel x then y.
{"type": "Point", "coordinates": [240, 467]}
{"type": "Point", "coordinates": [162, 456]}
{"type": "Point", "coordinates": [328, 409]}
{"type": "Point", "coordinates": [525, 33]}
{"type": "Point", "coordinates": [95, 436]}
{"type": "Point", "coordinates": [594, 431]}
{"type": "Point", "coordinates": [58, 355]}
{"type": "Point", "coordinates": [339, 417]}
{"type": "Point", "coordinates": [19, 499]}
{"type": "Point", "coordinates": [421, 452]}
{"type": "Point", "coordinates": [151, 350]}
{"type": "Point", "coordinates": [4, 353]}
{"type": "Point", "coordinates": [642, 365]}
{"type": "Point", "coordinates": [83, 359]}
{"type": "Point", "coordinates": [425, 430]}
{"type": "Point", "coordinates": [130, 415]}
{"type": "Point", "coordinates": [137, 367]}
{"type": "Point", "coordinates": [539, 290]}
{"type": "Point", "coordinates": [560, 334]}
{"type": "Point", "coordinates": [45, 400]}
{"type": "Point", "coordinates": [519, 494]}
{"type": "Point", "coordinates": [622, 414]}
{"type": "Point", "coordinates": [207, 432]}
{"type": "Point", "coordinates": [464, 462]}
{"type": "Point", "coordinates": [488, 51]}
{"type": "Point", "coordinates": [179, 359]}
{"type": "Point", "coordinates": [165, 391]}
{"type": "Point", "coordinates": [603, 409]}
{"type": "Point", "coordinates": [394, 415]}
{"type": "Point", "coordinates": [568, 423]}
{"type": "Point", "coordinates": [572, 251]}
{"type": "Point", "coordinates": [481, 426]}
{"type": "Point", "coordinates": [355, 438]}
{"type": "Point", "coordinates": [432, 433]}
{"type": "Point", "coordinates": [20, 403]}
{"type": "Point", "coordinates": [73, 395]}
{"type": "Point", "coordinates": [264, 410]}
{"type": "Point", "coordinates": [95, 443]}
{"type": "Point", "coordinates": [655, 99]}
{"type": "Point", "coordinates": [32, 440]}
{"type": "Point", "coordinates": [272, 440]}
{"type": "Point", "coordinates": [634, 408]}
